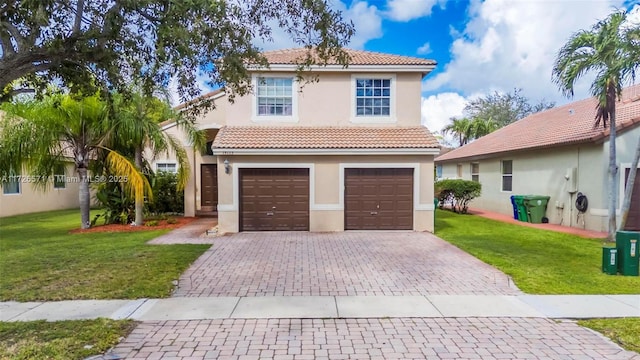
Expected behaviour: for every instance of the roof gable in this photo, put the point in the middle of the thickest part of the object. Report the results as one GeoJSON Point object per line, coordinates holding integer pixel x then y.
{"type": "Point", "coordinates": [572, 123]}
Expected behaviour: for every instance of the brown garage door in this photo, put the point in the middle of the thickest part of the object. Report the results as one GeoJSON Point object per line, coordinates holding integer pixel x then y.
{"type": "Point", "coordinates": [378, 199]}
{"type": "Point", "coordinates": [633, 219]}
{"type": "Point", "coordinates": [274, 199]}
{"type": "Point", "coordinates": [209, 185]}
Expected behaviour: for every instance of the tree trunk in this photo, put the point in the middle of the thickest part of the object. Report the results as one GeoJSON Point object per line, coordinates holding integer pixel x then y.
{"type": "Point", "coordinates": [83, 194]}
{"type": "Point", "coordinates": [613, 170]}
{"type": "Point", "coordinates": [628, 192]}
{"type": "Point", "coordinates": [139, 202]}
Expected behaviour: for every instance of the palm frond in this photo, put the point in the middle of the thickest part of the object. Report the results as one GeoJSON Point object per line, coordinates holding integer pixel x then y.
{"type": "Point", "coordinates": [136, 184]}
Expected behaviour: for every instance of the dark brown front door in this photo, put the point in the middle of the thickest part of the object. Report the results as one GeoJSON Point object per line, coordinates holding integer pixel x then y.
{"type": "Point", "coordinates": [274, 199]}
{"type": "Point", "coordinates": [633, 220]}
{"type": "Point", "coordinates": [378, 199]}
{"type": "Point", "coordinates": [209, 185]}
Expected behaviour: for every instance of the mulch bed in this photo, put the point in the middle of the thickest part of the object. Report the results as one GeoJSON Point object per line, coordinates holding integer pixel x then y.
{"type": "Point", "coordinates": [162, 224]}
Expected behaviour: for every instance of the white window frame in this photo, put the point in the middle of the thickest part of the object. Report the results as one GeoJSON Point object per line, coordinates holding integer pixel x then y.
{"type": "Point", "coordinates": [503, 175]}
{"type": "Point", "coordinates": [459, 171]}
{"type": "Point", "coordinates": [378, 119]}
{"type": "Point", "coordinates": [17, 182]}
{"type": "Point", "coordinates": [475, 173]}
{"type": "Point", "coordinates": [60, 185]}
{"type": "Point", "coordinates": [255, 117]}
{"type": "Point", "coordinates": [175, 165]}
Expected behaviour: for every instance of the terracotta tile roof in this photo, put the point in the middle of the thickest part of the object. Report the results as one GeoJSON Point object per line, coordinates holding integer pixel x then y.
{"type": "Point", "coordinates": [564, 125]}
{"type": "Point", "coordinates": [262, 137]}
{"type": "Point", "coordinates": [358, 57]}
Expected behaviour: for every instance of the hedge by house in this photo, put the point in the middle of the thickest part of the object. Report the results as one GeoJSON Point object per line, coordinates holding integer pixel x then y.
{"type": "Point", "coordinates": [458, 193]}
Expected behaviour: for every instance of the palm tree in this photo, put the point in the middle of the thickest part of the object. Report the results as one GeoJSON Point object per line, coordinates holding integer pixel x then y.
{"type": "Point", "coordinates": [611, 50]}
{"type": "Point", "coordinates": [481, 127]}
{"type": "Point", "coordinates": [461, 128]}
{"type": "Point", "coordinates": [137, 127]}
{"type": "Point", "coordinates": [37, 135]}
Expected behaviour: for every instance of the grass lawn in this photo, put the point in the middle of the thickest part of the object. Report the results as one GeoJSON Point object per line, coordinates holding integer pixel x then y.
{"type": "Point", "coordinates": [539, 261]}
{"type": "Point", "coordinates": [624, 332]}
{"type": "Point", "coordinates": [63, 340]}
{"type": "Point", "coordinates": [40, 260]}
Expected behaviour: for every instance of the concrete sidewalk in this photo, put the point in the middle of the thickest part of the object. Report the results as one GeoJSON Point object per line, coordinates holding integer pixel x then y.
{"type": "Point", "coordinates": [330, 307]}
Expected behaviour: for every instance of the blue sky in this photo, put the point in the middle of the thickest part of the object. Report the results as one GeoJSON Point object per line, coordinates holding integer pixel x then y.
{"type": "Point", "coordinates": [481, 46]}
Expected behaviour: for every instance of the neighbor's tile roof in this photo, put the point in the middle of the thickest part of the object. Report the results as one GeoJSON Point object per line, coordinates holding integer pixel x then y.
{"type": "Point", "coordinates": [358, 57]}
{"type": "Point", "coordinates": [564, 125]}
{"type": "Point", "coordinates": [262, 137]}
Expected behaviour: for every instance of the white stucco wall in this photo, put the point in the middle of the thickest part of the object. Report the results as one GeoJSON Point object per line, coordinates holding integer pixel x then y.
{"type": "Point", "coordinates": [543, 172]}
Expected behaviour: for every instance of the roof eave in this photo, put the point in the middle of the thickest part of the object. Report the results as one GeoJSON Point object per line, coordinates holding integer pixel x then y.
{"type": "Point", "coordinates": [332, 151]}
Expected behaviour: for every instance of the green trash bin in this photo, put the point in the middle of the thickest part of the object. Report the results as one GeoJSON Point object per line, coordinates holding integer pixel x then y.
{"type": "Point", "coordinates": [435, 207]}
{"type": "Point", "coordinates": [522, 210]}
{"type": "Point", "coordinates": [627, 243]}
{"type": "Point", "coordinates": [536, 207]}
{"type": "Point", "coordinates": [610, 260]}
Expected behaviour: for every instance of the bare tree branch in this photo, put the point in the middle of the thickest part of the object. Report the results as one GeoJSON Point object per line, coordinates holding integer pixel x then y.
{"type": "Point", "coordinates": [78, 21]}
{"type": "Point", "coordinates": [21, 42]}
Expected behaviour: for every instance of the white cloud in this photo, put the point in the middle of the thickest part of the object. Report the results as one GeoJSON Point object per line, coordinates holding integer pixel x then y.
{"type": "Point", "coordinates": [512, 44]}
{"type": "Point", "coordinates": [438, 109]}
{"type": "Point", "coordinates": [424, 49]}
{"type": "Point", "coordinates": [366, 20]}
{"type": "Point", "coordinates": [406, 10]}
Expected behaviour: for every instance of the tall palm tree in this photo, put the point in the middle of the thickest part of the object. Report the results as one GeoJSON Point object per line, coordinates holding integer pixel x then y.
{"type": "Point", "coordinates": [38, 135]}
{"type": "Point", "coordinates": [611, 50]}
{"type": "Point", "coordinates": [138, 128]}
{"type": "Point", "coordinates": [461, 128]}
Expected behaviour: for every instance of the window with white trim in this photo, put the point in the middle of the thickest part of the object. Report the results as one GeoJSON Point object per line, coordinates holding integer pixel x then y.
{"type": "Point", "coordinates": [475, 172]}
{"type": "Point", "coordinates": [507, 175]}
{"type": "Point", "coordinates": [167, 167]}
{"type": "Point", "coordinates": [12, 184]}
{"type": "Point", "coordinates": [459, 171]}
{"type": "Point", "coordinates": [274, 96]}
{"type": "Point", "coordinates": [439, 171]}
{"type": "Point", "coordinates": [373, 97]}
{"type": "Point", "coordinates": [59, 177]}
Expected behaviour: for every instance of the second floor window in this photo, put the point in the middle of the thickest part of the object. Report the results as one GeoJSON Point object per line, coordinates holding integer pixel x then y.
{"type": "Point", "coordinates": [274, 96]}
{"type": "Point", "coordinates": [373, 97]}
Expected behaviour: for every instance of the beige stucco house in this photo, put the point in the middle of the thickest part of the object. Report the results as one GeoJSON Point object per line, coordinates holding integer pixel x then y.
{"type": "Point", "coordinates": [557, 153]}
{"type": "Point", "coordinates": [19, 195]}
{"type": "Point", "coordinates": [347, 151]}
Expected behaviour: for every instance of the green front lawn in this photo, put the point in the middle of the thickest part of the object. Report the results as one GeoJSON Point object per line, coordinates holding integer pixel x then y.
{"type": "Point", "coordinates": [539, 261]}
{"type": "Point", "coordinates": [40, 260]}
{"type": "Point", "coordinates": [624, 332]}
{"type": "Point", "coordinates": [62, 340]}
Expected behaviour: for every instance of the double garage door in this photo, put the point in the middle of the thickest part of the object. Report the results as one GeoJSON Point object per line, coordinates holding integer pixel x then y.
{"type": "Point", "coordinates": [278, 199]}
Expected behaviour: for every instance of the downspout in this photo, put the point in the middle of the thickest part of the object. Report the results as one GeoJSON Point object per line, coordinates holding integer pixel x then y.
{"type": "Point", "coordinates": [195, 185]}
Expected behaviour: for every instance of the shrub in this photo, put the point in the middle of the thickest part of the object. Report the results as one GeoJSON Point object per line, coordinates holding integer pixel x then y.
{"type": "Point", "coordinates": [166, 199]}
{"type": "Point", "coordinates": [118, 208]}
{"type": "Point", "coordinates": [172, 221]}
{"type": "Point", "coordinates": [151, 223]}
{"type": "Point", "coordinates": [458, 192]}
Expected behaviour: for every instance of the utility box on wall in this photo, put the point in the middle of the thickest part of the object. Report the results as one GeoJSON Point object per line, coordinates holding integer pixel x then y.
{"type": "Point", "coordinates": [572, 180]}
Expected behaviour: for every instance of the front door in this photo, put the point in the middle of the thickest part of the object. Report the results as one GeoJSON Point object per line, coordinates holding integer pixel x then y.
{"type": "Point", "coordinates": [209, 186]}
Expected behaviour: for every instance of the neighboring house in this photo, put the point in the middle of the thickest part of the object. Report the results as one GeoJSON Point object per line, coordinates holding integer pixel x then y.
{"type": "Point", "coordinates": [19, 195]}
{"type": "Point", "coordinates": [345, 152]}
{"type": "Point", "coordinates": [557, 153]}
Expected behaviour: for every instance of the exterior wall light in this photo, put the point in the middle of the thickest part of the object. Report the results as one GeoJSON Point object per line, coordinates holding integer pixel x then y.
{"type": "Point", "coordinates": [227, 167]}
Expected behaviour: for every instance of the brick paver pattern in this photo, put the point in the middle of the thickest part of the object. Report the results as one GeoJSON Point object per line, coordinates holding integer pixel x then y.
{"type": "Point", "coordinates": [192, 233]}
{"type": "Point", "coordinates": [347, 264]}
{"type": "Point", "coordinates": [407, 338]}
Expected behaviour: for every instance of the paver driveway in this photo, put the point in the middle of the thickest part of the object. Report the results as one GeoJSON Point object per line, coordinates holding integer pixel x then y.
{"type": "Point", "coordinates": [407, 338]}
{"type": "Point", "coordinates": [348, 263]}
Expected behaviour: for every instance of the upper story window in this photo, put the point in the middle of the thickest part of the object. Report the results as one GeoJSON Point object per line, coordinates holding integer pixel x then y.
{"type": "Point", "coordinates": [275, 96]}
{"type": "Point", "coordinates": [373, 98]}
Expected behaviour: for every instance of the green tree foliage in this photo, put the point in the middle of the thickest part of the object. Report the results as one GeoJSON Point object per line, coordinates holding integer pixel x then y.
{"type": "Point", "coordinates": [165, 197]}
{"type": "Point", "coordinates": [458, 193]}
{"type": "Point", "coordinates": [37, 135]}
{"type": "Point", "coordinates": [115, 41]}
{"type": "Point", "coordinates": [466, 129]}
{"type": "Point", "coordinates": [504, 108]}
{"type": "Point", "coordinates": [611, 49]}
